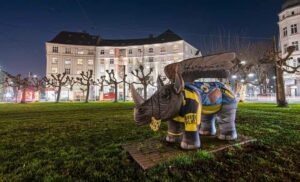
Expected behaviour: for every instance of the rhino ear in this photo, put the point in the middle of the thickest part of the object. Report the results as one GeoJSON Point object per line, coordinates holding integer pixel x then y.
{"type": "Point", "coordinates": [160, 83]}
{"type": "Point", "coordinates": [178, 83]}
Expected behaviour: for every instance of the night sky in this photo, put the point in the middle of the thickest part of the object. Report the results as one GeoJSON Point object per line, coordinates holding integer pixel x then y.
{"type": "Point", "coordinates": [26, 25]}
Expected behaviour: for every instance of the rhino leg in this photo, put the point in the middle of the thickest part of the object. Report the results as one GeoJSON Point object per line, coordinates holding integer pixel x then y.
{"type": "Point", "coordinates": [190, 140]}
{"type": "Point", "coordinates": [175, 131]}
{"type": "Point", "coordinates": [208, 126]}
{"type": "Point", "coordinates": [226, 122]}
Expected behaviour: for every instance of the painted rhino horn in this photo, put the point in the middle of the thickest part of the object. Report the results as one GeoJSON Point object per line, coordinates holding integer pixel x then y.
{"type": "Point", "coordinates": [138, 100]}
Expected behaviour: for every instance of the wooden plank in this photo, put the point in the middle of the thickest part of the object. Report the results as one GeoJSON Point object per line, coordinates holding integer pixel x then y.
{"type": "Point", "coordinates": [154, 151]}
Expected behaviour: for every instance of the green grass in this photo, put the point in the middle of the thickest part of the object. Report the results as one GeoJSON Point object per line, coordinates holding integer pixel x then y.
{"type": "Point", "coordinates": [77, 141]}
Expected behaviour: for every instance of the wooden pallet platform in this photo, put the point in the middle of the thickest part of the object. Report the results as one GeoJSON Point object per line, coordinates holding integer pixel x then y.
{"type": "Point", "coordinates": [152, 152]}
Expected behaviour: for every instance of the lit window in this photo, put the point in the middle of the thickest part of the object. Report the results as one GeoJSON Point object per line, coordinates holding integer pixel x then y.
{"type": "Point", "coordinates": [285, 32]}
{"type": "Point", "coordinates": [54, 70]}
{"type": "Point", "coordinates": [68, 50]}
{"type": "Point", "coordinates": [102, 52]}
{"type": "Point", "coordinates": [150, 50]}
{"type": "Point", "coordinates": [294, 29]}
{"type": "Point", "coordinates": [80, 52]}
{"type": "Point", "coordinates": [111, 51]}
{"type": "Point", "coordinates": [55, 49]}
{"type": "Point", "coordinates": [175, 47]}
{"type": "Point", "coordinates": [151, 59]}
{"type": "Point", "coordinates": [130, 51]}
{"type": "Point", "coordinates": [67, 71]}
{"type": "Point", "coordinates": [296, 45]}
{"type": "Point", "coordinates": [68, 61]}
{"type": "Point", "coordinates": [162, 49]}
{"type": "Point", "coordinates": [54, 60]}
{"type": "Point", "coordinates": [130, 61]}
{"type": "Point", "coordinates": [111, 61]}
{"type": "Point", "coordinates": [102, 61]}
{"type": "Point", "coordinates": [79, 61]}
{"type": "Point", "coordinates": [90, 62]}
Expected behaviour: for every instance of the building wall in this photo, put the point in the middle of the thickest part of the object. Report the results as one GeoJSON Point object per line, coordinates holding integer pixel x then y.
{"type": "Point", "coordinates": [103, 58]}
{"type": "Point", "coordinates": [288, 37]}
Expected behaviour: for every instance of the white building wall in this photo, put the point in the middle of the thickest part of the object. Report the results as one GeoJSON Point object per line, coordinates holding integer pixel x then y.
{"type": "Point", "coordinates": [155, 56]}
{"type": "Point", "coordinates": [288, 18]}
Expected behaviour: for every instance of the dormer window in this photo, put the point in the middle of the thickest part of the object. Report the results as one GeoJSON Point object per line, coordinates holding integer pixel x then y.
{"type": "Point", "coordinates": [162, 49]}
{"type": "Point", "coordinates": [102, 52]}
{"type": "Point", "coordinates": [150, 50]}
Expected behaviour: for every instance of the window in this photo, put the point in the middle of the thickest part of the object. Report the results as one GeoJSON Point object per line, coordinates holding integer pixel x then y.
{"type": "Point", "coordinates": [111, 51]}
{"type": "Point", "coordinates": [296, 45]}
{"type": "Point", "coordinates": [79, 61]}
{"type": "Point", "coordinates": [90, 52]}
{"type": "Point", "coordinates": [285, 32]}
{"type": "Point", "coordinates": [111, 61]}
{"type": "Point", "coordinates": [90, 62]}
{"type": "Point", "coordinates": [102, 61]}
{"type": "Point", "coordinates": [295, 63]}
{"type": "Point", "coordinates": [294, 29]}
{"type": "Point", "coordinates": [80, 52]}
{"type": "Point", "coordinates": [140, 50]}
{"type": "Point", "coordinates": [151, 59]}
{"type": "Point", "coordinates": [68, 50]}
{"type": "Point", "coordinates": [79, 72]}
{"type": "Point", "coordinates": [102, 52]}
{"type": "Point", "coordinates": [54, 60]}
{"type": "Point", "coordinates": [285, 48]}
{"type": "Point", "coordinates": [150, 50]}
{"type": "Point", "coordinates": [68, 61]}
{"type": "Point", "coordinates": [55, 49]}
{"type": "Point", "coordinates": [130, 61]}
{"type": "Point", "coordinates": [54, 70]}
{"type": "Point", "coordinates": [130, 51]}
{"type": "Point", "coordinates": [293, 12]}
{"type": "Point", "coordinates": [162, 49]}
{"type": "Point", "coordinates": [175, 48]}
{"type": "Point", "coordinates": [67, 71]}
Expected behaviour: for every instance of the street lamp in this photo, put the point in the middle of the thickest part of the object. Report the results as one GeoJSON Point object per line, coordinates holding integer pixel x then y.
{"type": "Point", "coordinates": [243, 62]}
{"type": "Point", "coordinates": [251, 75]}
{"type": "Point", "coordinates": [234, 77]}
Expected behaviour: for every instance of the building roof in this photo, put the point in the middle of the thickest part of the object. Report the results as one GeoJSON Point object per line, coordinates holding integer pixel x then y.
{"type": "Point", "coordinates": [77, 38]}
{"type": "Point", "coordinates": [290, 3]}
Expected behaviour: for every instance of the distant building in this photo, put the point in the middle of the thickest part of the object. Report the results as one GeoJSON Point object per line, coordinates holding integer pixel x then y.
{"type": "Point", "coordinates": [289, 28]}
{"type": "Point", "coordinates": [74, 52]}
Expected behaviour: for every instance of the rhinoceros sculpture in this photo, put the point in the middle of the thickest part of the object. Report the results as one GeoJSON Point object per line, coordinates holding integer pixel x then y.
{"type": "Point", "coordinates": [191, 108]}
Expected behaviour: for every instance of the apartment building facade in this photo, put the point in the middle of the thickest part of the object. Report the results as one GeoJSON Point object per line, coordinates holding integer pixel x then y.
{"type": "Point", "coordinates": [289, 28]}
{"type": "Point", "coordinates": [74, 52]}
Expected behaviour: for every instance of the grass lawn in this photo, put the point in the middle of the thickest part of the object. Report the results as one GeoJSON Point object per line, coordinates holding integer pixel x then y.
{"type": "Point", "coordinates": [77, 141]}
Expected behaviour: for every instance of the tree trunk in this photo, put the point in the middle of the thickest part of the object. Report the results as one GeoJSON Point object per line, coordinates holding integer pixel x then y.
{"type": "Point", "coordinates": [145, 92]}
{"type": "Point", "coordinates": [116, 92]}
{"type": "Point", "coordinates": [124, 90]}
{"type": "Point", "coordinates": [280, 94]}
{"type": "Point", "coordinates": [58, 94]}
{"type": "Point", "coordinates": [87, 93]}
{"type": "Point", "coordinates": [23, 98]}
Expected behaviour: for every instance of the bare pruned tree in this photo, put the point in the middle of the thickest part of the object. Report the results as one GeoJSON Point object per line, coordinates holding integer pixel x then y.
{"type": "Point", "coordinates": [87, 81]}
{"type": "Point", "coordinates": [113, 81]}
{"type": "Point", "coordinates": [144, 78]}
{"type": "Point", "coordinates": [100, 82]}
{"type": "Point", "coordinates": [18, 83]}
{"type": "Point", "coordinates": [57, 81]}
{"type": "Point", "coordinates": [273, 56]}
{"type": "Point", "coordinates": [71, 82]}
{"type": "Point", "coordinates": [38, 84]}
